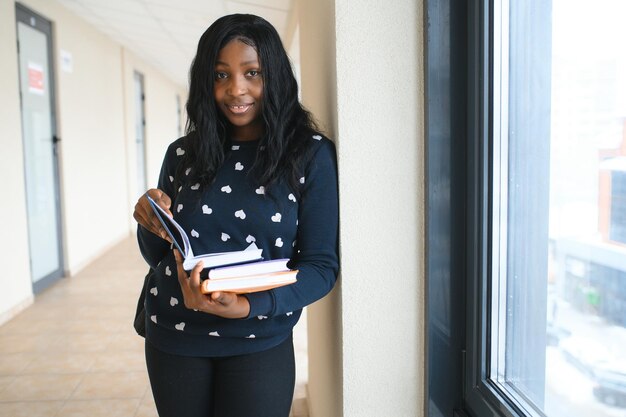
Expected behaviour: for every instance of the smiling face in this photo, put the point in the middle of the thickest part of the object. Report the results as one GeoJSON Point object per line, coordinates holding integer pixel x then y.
{"type": "Point", "coordinates": [238, 89]}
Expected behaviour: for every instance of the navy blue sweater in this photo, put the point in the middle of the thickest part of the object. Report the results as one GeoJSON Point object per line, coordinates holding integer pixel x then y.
{"type": "Point", "coordinates": [228, 215]}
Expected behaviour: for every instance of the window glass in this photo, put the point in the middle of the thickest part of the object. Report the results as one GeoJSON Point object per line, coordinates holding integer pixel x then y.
{"type": "Point", "coordinates": [558, 287]}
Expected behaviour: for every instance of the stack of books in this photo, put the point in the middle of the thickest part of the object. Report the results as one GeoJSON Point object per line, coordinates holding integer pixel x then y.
{"type": "Point", "coordinates": [250, 277]}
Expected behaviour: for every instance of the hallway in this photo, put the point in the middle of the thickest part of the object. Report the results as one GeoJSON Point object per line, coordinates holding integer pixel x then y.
{"type": "Point", "coordinates": [75, 353]}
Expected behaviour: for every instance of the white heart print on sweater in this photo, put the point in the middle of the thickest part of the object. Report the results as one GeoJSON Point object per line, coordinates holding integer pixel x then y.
{"type": "Point", "coordinates": [250, 239]}
{"type": "Point", "coordinates": [173, 301]}
{"type": "Point", "coordinates": [226, 189]}
{"type": "Point", "coordinates": [279, 243]}
{"type": "Point", "coordinates": [225, 237]}
{"type": "Point", "coordinates": [276, 218]}
{"type": "Point", "coordinates": [260, 190]}
{"type": "Point", "coordinates": [179, 208]}
{"type": "Point", "coordinates": [206, 209]}
{"type": "Point", "coordinates": [238, 166]}
{"type": "Point", "coordinates": [154, 291]}
{"type": "Point", "coordinates": [180, 326]}
{"type": "Point", "coordinates": [240, 214]}
{"type": "Point", "coordinates": [180, 151]}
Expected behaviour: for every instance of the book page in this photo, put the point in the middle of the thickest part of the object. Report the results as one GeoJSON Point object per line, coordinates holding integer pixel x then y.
{"type": "Point", "coordinates": [173, 229]}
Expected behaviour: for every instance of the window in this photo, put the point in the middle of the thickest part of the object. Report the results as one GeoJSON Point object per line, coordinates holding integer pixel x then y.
{"type": "Point", "coordinates": [544, 209]}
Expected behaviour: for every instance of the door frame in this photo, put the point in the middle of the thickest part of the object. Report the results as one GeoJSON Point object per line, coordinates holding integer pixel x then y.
{"type": "Point", "coordinates": [142, 172]}
{"type": "Point", "coordinates": [36, 21]}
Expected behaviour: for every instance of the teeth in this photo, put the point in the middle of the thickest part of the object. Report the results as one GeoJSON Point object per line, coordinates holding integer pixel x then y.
{"type": "Point", "coordinates": [240, 108]}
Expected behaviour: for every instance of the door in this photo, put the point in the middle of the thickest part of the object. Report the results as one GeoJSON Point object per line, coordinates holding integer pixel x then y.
{"type": "Point", "coordinates": [140, 133]}
{"type": "Point", "coordinates": [40, 141]}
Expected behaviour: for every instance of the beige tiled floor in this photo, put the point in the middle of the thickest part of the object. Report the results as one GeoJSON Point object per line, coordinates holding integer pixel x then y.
{"type": "Point", "coordinates": [74, 351]}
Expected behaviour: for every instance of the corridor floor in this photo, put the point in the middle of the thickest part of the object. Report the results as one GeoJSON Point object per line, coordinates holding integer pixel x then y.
{"type": "Point", "coordinates": [74, 352]}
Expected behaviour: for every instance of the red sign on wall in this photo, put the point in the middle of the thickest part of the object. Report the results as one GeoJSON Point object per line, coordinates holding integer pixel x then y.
{"type": "Point", "coordinates": [35, 79]}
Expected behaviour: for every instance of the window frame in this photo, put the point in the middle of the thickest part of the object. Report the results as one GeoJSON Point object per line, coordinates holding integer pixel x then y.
{"type": "Point", "coordinates": [487, 218]}
{"type": "Point", "coordinates": [478, 64]}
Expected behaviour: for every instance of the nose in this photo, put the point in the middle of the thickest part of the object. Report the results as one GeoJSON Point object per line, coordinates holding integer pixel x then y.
{"type": "Point", "coordinates": [237, 86]}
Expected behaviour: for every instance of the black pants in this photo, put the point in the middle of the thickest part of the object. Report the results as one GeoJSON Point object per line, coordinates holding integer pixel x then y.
{"type": "Point", "coordinates": [254, 385]}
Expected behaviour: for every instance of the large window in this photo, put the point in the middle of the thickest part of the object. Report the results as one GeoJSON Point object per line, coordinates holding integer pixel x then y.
{"type": "Point", "coordinates": [553, 281]}
{"type": "Point", "coordinates": [545, 212]}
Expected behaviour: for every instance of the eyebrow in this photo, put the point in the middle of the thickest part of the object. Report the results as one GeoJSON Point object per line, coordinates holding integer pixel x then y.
{"type": "Point", "coordinates": [254, 61]}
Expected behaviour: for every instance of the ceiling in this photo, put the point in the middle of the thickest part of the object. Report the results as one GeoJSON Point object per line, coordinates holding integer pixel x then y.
{"type": "Point", "coordinates": [165, 33]}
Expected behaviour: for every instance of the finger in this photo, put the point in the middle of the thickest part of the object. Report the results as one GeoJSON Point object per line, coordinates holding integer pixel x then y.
{"type": "Point", "coordinates": [165, 201]}
{"type": "Point", "coordinates": [182, 275]}
{"type": "Point", "coordinates": [224, 298]}
{"type": "Point", "coordinates": [141, 219]}
{"type": "Point", "coordinates": [141, 216]}
{"type": "Point", "coordinates": [194, 280]}
{"type": "Point", "coordinates": [144, 211]}
{"type": "Point", "coordinates": [162, 199]}
{"type": "Point", "coordinates": [151, 227]}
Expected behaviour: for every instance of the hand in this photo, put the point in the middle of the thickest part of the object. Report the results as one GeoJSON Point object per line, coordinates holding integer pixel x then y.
{"type": "Point", "coordinates": [224, 304]}
{"type": "Point", "coordinates": [145, 216]}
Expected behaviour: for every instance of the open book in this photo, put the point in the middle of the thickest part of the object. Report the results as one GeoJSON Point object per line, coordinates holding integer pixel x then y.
{"type": "Point", "coordinates": [181, 241]}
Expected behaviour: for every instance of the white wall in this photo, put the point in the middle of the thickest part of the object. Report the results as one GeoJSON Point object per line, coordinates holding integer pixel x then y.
{"type": "Point", "coordinates": [15, 286]}
{"type": "Point", "coordinates": [96, 150]}
{"type": "Point", "coordinates": [380, 119]}
{"type": "Point", "coordinates": [376, 325]}
{"type": "Point", "coordinates": [318, 86]}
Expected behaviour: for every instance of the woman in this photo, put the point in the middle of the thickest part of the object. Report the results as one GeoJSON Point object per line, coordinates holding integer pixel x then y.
{"type": "Point", "coordinates": [251, 168]}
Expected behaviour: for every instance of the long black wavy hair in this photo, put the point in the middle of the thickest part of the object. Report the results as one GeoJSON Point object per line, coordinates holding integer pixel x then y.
{"type": "Point", "coordinates": [287, 125]}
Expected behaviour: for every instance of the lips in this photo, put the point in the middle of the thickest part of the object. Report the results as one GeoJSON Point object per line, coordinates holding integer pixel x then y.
{"type": "Point", "coordinates": [239, 108]}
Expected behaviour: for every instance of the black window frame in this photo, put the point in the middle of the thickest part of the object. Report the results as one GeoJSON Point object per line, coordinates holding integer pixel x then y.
{"type": "Point", "coordinates": [459, 176]}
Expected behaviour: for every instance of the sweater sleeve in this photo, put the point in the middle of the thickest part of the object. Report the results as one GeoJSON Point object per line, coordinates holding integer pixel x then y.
{"type": "Point", "coordinates": [152, 247]}
{"type": "Point", "coordinates": [316, 258]}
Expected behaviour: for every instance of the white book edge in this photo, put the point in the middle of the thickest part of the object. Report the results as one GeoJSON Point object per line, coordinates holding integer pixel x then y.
{"type": "Point", "coordinates": [251, 282]}
{"type": "Point", "coordinates": [254, 268]}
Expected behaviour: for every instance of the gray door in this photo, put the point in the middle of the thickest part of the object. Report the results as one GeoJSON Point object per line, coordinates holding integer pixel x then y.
{"type": "Point", "coordinates": [140, 133]}
{"type": "Point", "coordinates": [40, 147]}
